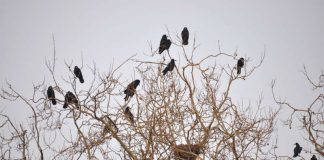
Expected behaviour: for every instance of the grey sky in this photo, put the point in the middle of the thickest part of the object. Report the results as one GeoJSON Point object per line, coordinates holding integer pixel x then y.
{"type": "Point", "coordinates": [107, 31]}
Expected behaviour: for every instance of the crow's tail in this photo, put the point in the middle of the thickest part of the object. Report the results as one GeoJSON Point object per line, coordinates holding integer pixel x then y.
{"type": "Point", "coordinates": [165, 71]}
{"type": "Point", "coordinates": [81, 79]}
{"type": "Point", "coordinates": [238, 70]}
{"type": "Point", "coordinates": [53, 101]}
{"type": "Point", "coordinates": [65, 105]}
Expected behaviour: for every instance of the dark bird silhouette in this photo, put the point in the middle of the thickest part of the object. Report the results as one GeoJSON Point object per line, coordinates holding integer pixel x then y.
{"type": "Point", "coordinates": [169, 67]}
{"type": "Point", "coordinates": [78, 73]}
{"type": "Point", "coordinates": [130, 90]}
{"type": "Point", "coordinates": [240, 64]}
{"type": "Point", "coordinates": [129, 115]}
{"type": "Point", "coordinates": [165, 44]}
{"type": "Point", "coordinates": [297, 150]}
{"type": "Point", "coordinates": [70, 99]}
{"type": "Point", "coordinates": [313, 158]}
{"type": "Point", "coordinates": [51, 95]}
{"type": "Point", "coordinates": [185, 36]}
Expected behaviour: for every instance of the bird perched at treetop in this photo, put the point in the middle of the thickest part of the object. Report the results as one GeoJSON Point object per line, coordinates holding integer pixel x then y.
{"type": "Point", "coordinates": [131, 88]}
{"type": "Point", "coordinates": [165, 44]}
{"type": "Point", "coordinates": [51, 95]}
{"type": "Point", "coordinates": [240, 64]}
{"type": "Point", "coordinates": [78, 73]}
{"type": "Point", "coordinates": [185, 36]}
{"type": "Point", "coordinates": [169, 67]}
{"type": "Point", "coordinates": [70, 99]}
{"type": "Point", "coordinates": [297, 150]}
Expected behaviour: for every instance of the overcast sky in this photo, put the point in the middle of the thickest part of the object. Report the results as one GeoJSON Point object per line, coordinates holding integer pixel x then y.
{"type": "Point", "coordinates": [109, 31]}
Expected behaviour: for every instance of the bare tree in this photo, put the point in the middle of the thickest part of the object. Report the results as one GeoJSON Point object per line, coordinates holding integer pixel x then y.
{"type": "Point", "coordinates": [186, 114]}
{"type": "Point", "coordinates": [311, 117]}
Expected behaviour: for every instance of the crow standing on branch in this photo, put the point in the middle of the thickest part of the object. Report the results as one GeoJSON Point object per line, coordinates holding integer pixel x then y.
{"type": "Point", "coordinates": [130, 90]}
{"type": "Point", "coordinates": [51, 95]}
{"type": "Point", "coordinates": [78, 73]}
{"type": "Point", "coordinates": [240, 64]}
{"type": "Point", "coordinates": [297, 150]}
{"type": "Point", "coordinates": [313, 157]}
{"type": "Point", "coordinates": [185, 36]}
{"type": "Point", "coordinates": [129, 115]}
{"type": "Point", "coordinates": [165, 44]}
{"type": "Point", "coordinates": [70, 99]}
{"type": "Point", "coordinates": [169, 67]}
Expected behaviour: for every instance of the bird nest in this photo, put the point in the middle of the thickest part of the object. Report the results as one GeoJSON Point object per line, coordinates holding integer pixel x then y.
{"type": "Point", "coordinates": [187, 151]}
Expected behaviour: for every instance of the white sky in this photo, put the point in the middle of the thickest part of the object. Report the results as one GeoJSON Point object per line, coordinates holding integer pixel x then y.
{"type": "Point", "coordinates": [107, 31]}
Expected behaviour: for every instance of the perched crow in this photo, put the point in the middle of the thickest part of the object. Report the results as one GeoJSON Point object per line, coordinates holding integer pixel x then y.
{"type": "Point", "coordinates": [130, 90]}
{"type": "Point", "coordinates": [297, 150]}
{"type": "Point", "coordinates": [240, 64]}
{"type": "Point", "coordinates": [129, 114]}
{"type": "Point", "coordinates": [169, 67]}
{"type": "Point", "coordinates": [185, 36]}
{"type": "Point", "coordinates": [165, 44]}
{"type": "Point", "coordinates": [313, 157]}
{"type": "Point", "coordinates": [70, 99]}
{"type": "Point", "coordinates": [78, 73]}
{"type": "Point", "coordinates": [51, 95]}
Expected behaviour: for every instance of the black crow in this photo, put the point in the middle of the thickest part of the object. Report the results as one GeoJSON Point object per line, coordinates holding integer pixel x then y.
{"type": "Point", "coordinates": [313, 158]}
{"type": "Point", "coordinates": [297, 150]}
{"type": "Point", "coordinates": [169, 67]}
{"type": "Point", "coordinates": [78, 73]}
{"type": "Point", "coordinates": [51, 95]}
{"type": "Point", "coordinates": [70, 99]}
{"type": "Point", "coordinates": [240, 64]}
{"type": "Point", "coordinates": [130, 90]}
{"type": "Point", "coordinates": [129, 115]}
{"type": "Point", "coordinates": [165, 44]}
{"type": "Point", "coordinates": [185, 36]}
